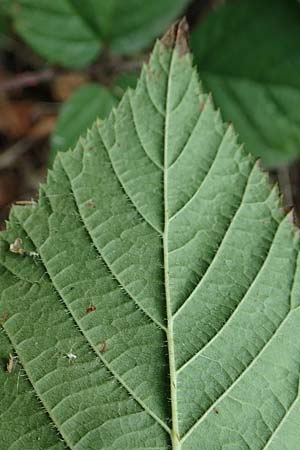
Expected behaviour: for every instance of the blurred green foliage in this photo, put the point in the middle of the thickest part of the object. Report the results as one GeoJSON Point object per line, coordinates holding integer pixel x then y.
{"type": "Point", "coordinates": [247, 52]}
{"type": "Point", "coordinates": [72, 32]}
{"type": "Point", "coordinates": [78, 113]}
{"type": "Point", "coordinates": [248, 57]}
{"type": "Point", "coordinates": [88, 103]}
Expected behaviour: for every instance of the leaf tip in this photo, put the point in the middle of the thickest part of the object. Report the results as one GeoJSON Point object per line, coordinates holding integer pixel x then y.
{"type": "Point", "coordinates": [291, 216]}
{"type": "Point", "coordinates": [177, 37]}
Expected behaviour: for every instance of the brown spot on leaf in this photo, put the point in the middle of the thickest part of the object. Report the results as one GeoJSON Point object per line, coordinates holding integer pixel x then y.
{"type": "Point", "coordinates": [177, 37]}
{"type": "Point", "coordinates": [102, 346]}
{"type": "Point", "coordinates": [90, 308]}
{"type": "Point", "coordinates": [90, 204]}
{"type": "Point", "coordinates": [216, 411]}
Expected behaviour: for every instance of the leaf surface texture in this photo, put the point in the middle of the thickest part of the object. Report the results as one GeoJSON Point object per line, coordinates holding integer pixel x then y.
{"type": "Point", "coordinates": [153, 302]}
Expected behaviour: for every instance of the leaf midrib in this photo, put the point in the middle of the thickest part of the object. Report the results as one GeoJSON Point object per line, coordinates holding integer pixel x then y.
{"type": "Point", "coordinates": [175, 437]}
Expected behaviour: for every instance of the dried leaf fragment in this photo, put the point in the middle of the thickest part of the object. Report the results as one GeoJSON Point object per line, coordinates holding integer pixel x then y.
{"type": "Point", "coordinates": [10, 363]}
{"type": "Point", "coordinates": [16, 247]}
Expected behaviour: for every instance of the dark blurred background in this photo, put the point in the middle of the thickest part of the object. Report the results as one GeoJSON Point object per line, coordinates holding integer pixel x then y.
{"type": "Point", "coordinates": [63, 63]}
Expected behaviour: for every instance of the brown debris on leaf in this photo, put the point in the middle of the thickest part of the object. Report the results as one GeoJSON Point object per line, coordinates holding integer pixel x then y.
{"type": "Point", "coordinates": [90, 308]}
{"type": "Point", "coordinates": [16, 247]}
{"type": "Point", "coordinates": [102, 346]}
{"type": "Point", "coordinates": [10, 363]}
{"type": "Point", "coordinates": [177, 36]}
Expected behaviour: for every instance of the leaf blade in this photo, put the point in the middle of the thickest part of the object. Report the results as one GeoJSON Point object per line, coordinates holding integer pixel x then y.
{"type": "Point", "coordinates": [182, 319]}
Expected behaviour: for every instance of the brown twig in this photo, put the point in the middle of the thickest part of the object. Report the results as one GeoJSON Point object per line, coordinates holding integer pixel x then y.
{"type": "Point", "coordinates": [27, 79]}
{"type": "Point", "coordinates": [13, 153]}
{"type": "Point", "coordinates": [110, 66]}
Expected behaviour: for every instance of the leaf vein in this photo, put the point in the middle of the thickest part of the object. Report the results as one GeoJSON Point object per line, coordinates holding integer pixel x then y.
{"type": "Point", "coordinates": [282, 421]}
{"type": "Point", "coordinates": [204, 179]}
{"type": "Point", "coordinates": [218, 251]}
{"type": "Point", "coordinates": [108, 266]}
{"type": "Point", "coordinates": [228, 321]}
{"type": "Point", "coordinates": [244, 372]}
{"type": "Point", "coordinates": [139, 137]}
{"type": "Point", "coordinates": [99, 354]}
{"type": "Point", "coordinates": [125, 190]}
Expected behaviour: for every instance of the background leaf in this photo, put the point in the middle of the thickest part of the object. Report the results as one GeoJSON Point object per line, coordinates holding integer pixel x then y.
{"type": "Point", "coordinates": [132, 25]}
{"type": "Point", "coordinates": [248, 56]}
{"type": "Point", "coordinates": [70, 32]}
{"type": "Point", "coordinates": [77, 115]}
{"type": "Point", "coordinates": [159, 257]}
{"type": "Point", "coordinates": [56, 31]}
{"type": "Point", "coordinates": [124, 81]}
{"type": "Point", "coordinates": [4, 23]}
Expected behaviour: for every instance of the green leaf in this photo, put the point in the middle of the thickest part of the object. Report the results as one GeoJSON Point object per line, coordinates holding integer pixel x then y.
{"type": "Point", "coordinates": [128, 26]}
{"type": "Point", "coordinates": [56, 31]}
{"type": "Point", "coordinates": [71, 32]}
{"type": "Point", "coordinates": [151, 295]}
{"type": "Point", "coordinates": [248, 56]}
{"type": "Point", "coordinates": [23, 423]}
{"type": "Point", "coordinates": [78, 113]}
